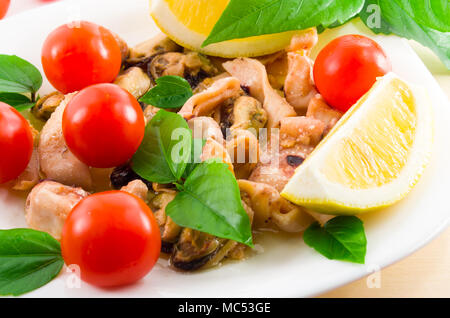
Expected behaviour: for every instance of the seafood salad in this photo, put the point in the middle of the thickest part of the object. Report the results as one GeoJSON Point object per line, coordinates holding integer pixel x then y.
{"type": "Point", "coordinates": [168, 150]}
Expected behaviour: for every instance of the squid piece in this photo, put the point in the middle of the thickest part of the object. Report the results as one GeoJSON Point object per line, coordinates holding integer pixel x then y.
{"type": "Point", "coordinates": [252, 74]}
{"type": "Point", "coordinates": [319, 109]}
{"type": "Point", "coordinates": [193, 66]}
{"type": "Point", "coordinates": [243, 149]}
{"type": "Point", "coordinates": [298, 138]}
{"type": "Point", "coordinates": [137, 188]}
{"type": "Point", "coordinates": [55, 159]}
{"type": "Point", "coordinates": [204, 103]}
{"type": "Point", "coordinates": [149, 112]}
{"type": "Point", "coordinates": [195, 249]}
{"type": "Point", "coordinates": [204, 128]}
{"type": "Point", "coordinates": [271, 209]}
{"type": "Point", "coordinates": [48, 205]}
{"type": "Point", "coordinates": [135, 81]}
{"type": "Point", "coordinates": [319, 217]}
{"type": "Point", "coordinates": [299, 85]}
{"type": "Point", "coordinates": [124, 50]}
{"type": "Point", "coordinates": [301, 132]}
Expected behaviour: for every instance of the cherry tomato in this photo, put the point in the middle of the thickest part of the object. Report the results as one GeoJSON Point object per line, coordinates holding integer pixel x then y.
{"type": "Point", "coordinates": [4, 5]}
{"type": "Point", "coordinates": [76, 56]}
{"type": "Point", "coordinates": [347, 68]}
{"type": "Point", "coordinates": [103, 125]}
{"type": "Point", "coordinates": [16, 143]}
{"type": "Point", "coordinates": [113, 237]}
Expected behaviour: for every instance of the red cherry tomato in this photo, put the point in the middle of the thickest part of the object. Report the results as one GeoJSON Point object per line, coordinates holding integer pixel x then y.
{"type": "Point", "coordinates": [113, 237]}
{"type": "Point", "coordinates": [347, 68]}
{"type": "Point", "coordinates": [16, 143]}
{"type": "Point", "coordinates": [103, 125]}
{"type": "Point", "coordinates": [76, 56]}
{"type": "Point", "coordinates": [4, 5]}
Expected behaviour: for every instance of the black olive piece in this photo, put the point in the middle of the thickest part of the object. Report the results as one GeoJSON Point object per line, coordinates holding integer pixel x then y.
{"type": "Point", "coordinates": [123, 175]}
{"type": "Point", "coordinates": [294, 161]}
{"type": "Point", "coordinates": [166, 247]}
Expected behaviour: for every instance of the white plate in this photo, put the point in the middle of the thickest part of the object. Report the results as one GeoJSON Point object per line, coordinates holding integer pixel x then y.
{"type": "Point", "coordinates": [287, 267]}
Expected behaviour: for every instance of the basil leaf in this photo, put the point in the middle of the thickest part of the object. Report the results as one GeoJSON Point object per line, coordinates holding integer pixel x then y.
{"type": "Point", "coordinates": [18, 75]}
{"type": "Point", "coordinates": [243, 19]}
{"type": "Point", "coordinates": [342, 238]}
{"type": "Point", "coordinates": [194, 159]}
{"type": "Point", "coordinates": [29, 259]}
{"type": "Point", "coordinates": [163, 155]}
{"type": "Point", "coordinates": [210, 202]}
{"type": "Point", "coordinates": [18, 101]}
{"type": "Point", "coordinates": [170, 92]}
{"type": "Point", "coordinates": [396, 19]}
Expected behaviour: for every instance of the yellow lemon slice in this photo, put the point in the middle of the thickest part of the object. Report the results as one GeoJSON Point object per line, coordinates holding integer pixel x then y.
{"type": "Point", "coordinates": [374, 155]}
{"type": "Point", "coordinates": [189, 22]}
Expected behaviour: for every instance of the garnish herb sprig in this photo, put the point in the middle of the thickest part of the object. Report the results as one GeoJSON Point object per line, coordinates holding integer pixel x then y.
{"type": "Point", "coordinates": [19, 82]}
{"type": "Point", "coordinates": [208, 199]}
{"type": "Point", "coordinates": [29, 259]}
{"type": "Point", "coordinates": [341, 238]}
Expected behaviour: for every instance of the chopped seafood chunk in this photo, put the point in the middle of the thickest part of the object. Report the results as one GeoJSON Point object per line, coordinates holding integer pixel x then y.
{"type": "Point", "coordinates": [55, 159]}
{"type": "Point", "coordinates": [271, 209]}
{"type": "Point", "coordinates": [253, 75]}
{"type": "Point", "coordinates": [204, 103]}
{"type": "Point", "coordinates": [156, 45]}
{"type": "Point", "coordinates": [135, 81]}
{"type": "Point", "coordinates": [137, 188]}
{"type": "Point", "coordinates": [48, 205]}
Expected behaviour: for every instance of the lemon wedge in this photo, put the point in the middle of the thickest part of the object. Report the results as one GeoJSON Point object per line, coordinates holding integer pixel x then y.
{"type": "Point", "coordinates": [372, 157]}
{"type": "Point", "coordinates": [189, 22]}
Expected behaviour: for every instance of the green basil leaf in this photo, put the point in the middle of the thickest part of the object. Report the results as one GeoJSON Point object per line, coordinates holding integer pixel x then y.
{"type": "Point", "coordinates": [170, 92]}
{"type": "Point", "coordinates": [18, 101]}
{"type": "Point", "coordinates": [211, 202]}
{"type": "Point", "coordinates": [194, 159]}
{"type": "Point", "coordinates": [18, 75]}
{"type": "Point", "coordinates": [433, 14]}
{"type": "Point", "coordinates": [29, 259]}
{"type": "Point", "coordinates": [396, 19]}
{"type": "Point", "coordinates": [163, 155]}
{"type": "Point", "coordinates": [342, 238]}
{"type": "Point", "coordinates": [242, 19]}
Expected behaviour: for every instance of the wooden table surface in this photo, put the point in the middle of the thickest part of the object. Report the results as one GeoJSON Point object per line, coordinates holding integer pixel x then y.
{"type": "Point", "coordinates": [426, 273]}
